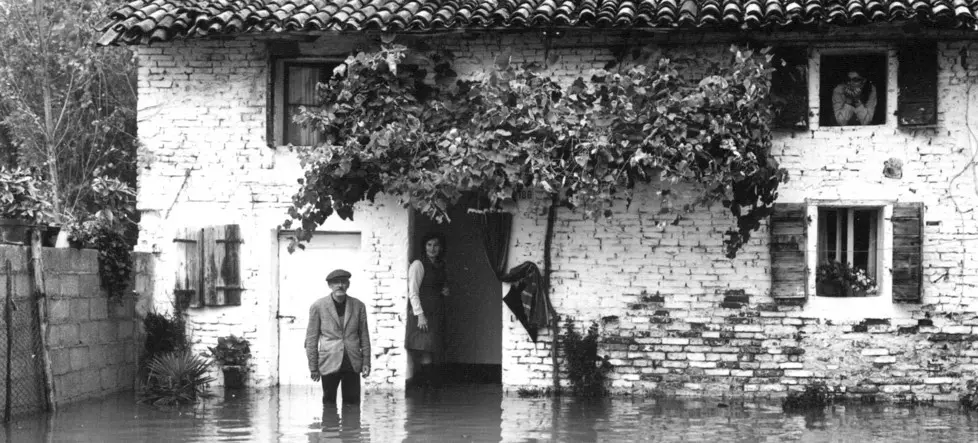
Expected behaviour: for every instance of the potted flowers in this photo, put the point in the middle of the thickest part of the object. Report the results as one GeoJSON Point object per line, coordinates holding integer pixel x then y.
{"type": "Point", "coordinates": [232, 353]}
{"type": "Point", "coordinates": [835, 279]}
{"type": "Point", "coordinates": [25, 204]}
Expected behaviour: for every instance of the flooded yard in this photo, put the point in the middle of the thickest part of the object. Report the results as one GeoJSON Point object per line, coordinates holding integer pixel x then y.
{"type": "Point", "coordinates": [479, 413]}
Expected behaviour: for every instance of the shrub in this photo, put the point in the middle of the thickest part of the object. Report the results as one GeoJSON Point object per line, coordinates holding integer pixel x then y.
{"type": "Point", "coordinates": [109, 230]}
{"type": "Point", "coordinates": [586, 370]}
{"type": "Point", "coordinates": [25, 195]}
{"type": "Point", "coordinates": [164, 333]}
{"type": "Point", "coordinates": [970, 398]}
{"type": "Point", "coordinates": [815, 396]}
{"type": "Point", "coordinates": [533, 392]}
{"type": "Point", "coordinates": [176, 378]}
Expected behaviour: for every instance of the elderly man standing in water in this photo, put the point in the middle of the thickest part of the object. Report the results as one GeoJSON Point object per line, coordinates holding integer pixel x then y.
{"type": "Point", "coordinates": [337, 341]}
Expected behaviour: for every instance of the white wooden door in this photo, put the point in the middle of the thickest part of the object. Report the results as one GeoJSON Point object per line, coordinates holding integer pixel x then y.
{"type": "Point", "coordinates": [302, 281]}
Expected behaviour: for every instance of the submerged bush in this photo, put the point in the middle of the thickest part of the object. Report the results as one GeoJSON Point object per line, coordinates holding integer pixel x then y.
{"type": "Point", "coordinates": [586, 371]}
{"type": "Point", "coordinates": [176, 378]}
{"type": "Point", "coordinates": [815, 396]}
{"type": "Point", "coordinates": [533, 392]}
{"type": "Point", "coordinates": [164, 333]}
{"type": "Point", "coordinates": [970, 398]}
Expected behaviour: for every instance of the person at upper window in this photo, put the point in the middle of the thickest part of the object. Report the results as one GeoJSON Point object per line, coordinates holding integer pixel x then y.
{"type": "Point", "coordinates": [854, 101]}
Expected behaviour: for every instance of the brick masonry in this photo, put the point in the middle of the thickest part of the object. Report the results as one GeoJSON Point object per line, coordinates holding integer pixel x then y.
{"type": "Point", "coordinates": [676, 315]}
{"type": "Point", "coordinates": [93, 343]}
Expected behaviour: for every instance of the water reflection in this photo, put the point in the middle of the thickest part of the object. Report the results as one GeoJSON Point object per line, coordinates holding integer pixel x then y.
{"type": "Point", "coordinates": [485, 414]}
{"type": "Point", "coordinates": [339, 424]}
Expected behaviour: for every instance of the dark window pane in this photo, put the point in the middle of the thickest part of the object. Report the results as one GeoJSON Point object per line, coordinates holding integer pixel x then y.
{"type": "Point", "coordinates": [852, 89]}
{"type": "Point", "coordinates": [300, 90]}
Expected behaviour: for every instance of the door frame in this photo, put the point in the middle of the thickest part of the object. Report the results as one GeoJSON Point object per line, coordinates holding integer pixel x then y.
{"type": "Point", "coordinates": [275, 306]}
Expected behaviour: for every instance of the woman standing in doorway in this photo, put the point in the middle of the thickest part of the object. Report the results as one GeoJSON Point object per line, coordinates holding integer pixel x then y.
{"type": "Point", "coordinates": [427, 289]}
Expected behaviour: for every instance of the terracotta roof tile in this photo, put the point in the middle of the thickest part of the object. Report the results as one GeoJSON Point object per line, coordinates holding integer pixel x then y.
{"type": "Point", "coordinates": [147, 21]}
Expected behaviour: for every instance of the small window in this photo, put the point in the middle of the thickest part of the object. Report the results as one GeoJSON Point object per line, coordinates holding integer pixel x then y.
{"type": "Point", "coordinates": [848, 252]}
{"type": "Point", "coordinates": [300, 90]}
{"type": "Point", "coordinates": [295, 84]}
{"type": "Point", "coordinates": [853, 89]}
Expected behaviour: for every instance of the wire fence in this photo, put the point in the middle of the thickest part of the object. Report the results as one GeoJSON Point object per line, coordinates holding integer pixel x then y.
{"type": "Point", "coordinates": [21, 348]}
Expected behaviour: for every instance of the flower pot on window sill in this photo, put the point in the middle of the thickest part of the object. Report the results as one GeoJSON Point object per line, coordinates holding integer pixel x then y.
{"type": "Point", "coordinates": [831, 289]}
{"type": "Point", "coordinates": [234, 376]}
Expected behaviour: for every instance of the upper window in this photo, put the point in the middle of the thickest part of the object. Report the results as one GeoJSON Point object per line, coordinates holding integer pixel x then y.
{"type": "Point", "coordinates": [295, 84]}
{"type": "Point", "coordinates": [853, 89]}
{"type": "Point", "coordinates": [300, 90]}
{"type": "Point", "coordinates": [853, 85]}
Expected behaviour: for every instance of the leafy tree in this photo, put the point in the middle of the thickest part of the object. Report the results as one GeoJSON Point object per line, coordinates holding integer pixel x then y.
{"type": "Point", "coordinates": [66, 106]}
{"type": "Point", "coordinates": [398, 122]}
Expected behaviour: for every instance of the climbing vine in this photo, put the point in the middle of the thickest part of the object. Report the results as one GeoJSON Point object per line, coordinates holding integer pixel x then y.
{"type": "Point", "coordinates": [400, 122]}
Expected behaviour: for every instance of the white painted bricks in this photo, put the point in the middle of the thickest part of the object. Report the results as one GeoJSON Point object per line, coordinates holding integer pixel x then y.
{"type": "Point", "coordinates": [202, 122]}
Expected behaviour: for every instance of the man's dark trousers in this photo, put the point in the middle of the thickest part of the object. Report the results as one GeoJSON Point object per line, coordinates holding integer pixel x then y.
{"type": "Point", "coordinates": [351, 387]}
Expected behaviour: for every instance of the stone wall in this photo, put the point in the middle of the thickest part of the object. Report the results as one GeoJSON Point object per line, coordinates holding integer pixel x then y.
{"type": "Point", "coordinates": [93, 343]}
{"type": "Point", "coordinates": [676, 315]}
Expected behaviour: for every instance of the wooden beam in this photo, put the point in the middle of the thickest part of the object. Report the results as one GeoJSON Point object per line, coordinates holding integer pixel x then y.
{"type": "Point", "coordinates": [36, 266]}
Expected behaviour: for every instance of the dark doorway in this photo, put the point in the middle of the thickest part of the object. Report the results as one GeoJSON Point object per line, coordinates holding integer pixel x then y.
{"type": "Point", "coordinates": [473, 311]}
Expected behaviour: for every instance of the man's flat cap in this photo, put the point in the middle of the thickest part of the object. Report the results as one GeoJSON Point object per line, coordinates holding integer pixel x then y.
{"type": "Point", "coordinates": [338, 274]}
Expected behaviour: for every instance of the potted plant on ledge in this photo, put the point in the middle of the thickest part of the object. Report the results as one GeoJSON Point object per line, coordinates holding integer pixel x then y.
{"type": "Point", "coordinates": [835, 279]}
{"type": "Point", "coordinates": [25, 204]}
{"type": "Point", "coordinates": [232, 353]}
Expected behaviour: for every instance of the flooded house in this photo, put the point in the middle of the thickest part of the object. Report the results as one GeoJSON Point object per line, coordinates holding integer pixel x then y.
{"type": "Point", "coordinates": [882, 185]}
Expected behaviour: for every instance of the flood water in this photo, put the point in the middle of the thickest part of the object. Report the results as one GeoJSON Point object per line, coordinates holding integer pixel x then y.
{"type": "Point", "coordinates": [480, 413]}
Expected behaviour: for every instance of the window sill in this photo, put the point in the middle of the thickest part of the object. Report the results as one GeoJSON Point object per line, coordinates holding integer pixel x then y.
{"type": "Point", "coordinates": [855, 308]}
{"type": "Point", "coordinates": [854, 128]}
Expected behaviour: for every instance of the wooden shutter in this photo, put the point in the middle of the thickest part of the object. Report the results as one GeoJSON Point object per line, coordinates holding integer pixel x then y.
{"type": "Point", "coordinates": [789, 273]}
{"type": "Point", "coordinates": [908, 267]}
{"type": "Point", "coordinates": [222, 265]}
{"type": "Point", "coordinates": [186, 289]}
{"type": "Point", "coordinates": [917, 80]}
{"type": "Point", "coordinates": [208, 266]}
{"type": "Point", "coordinates": [789, 87]}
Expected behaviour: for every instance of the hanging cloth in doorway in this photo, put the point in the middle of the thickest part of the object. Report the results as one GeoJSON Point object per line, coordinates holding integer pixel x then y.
{"type": "Point", "coordinates": [496, 227]}
{"type": "Point", "coordinates": [526, 298]}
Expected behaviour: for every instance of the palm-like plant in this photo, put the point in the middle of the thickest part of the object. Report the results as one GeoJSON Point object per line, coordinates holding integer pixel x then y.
{"type": "Point", "coordinates": [176, 378]}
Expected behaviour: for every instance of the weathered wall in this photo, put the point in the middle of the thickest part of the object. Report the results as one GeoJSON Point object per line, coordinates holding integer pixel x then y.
{"type": "Point", "coordinates": [678, 317]}
{"type": "Point", "coordinates": [205, 162]}
{"type": "Point", "coordinates": [93, 343]}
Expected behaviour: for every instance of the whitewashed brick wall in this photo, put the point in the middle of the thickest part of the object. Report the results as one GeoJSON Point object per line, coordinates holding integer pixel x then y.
{"type": "Point", "coordinates": [677, 316]}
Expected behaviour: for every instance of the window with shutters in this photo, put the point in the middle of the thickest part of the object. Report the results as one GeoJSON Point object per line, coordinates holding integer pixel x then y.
{"type": "Point", "coordinates": [854, 85]}
{"type": "Point", "coordinates": [294, 86]}
{"type": "Point", "coordinates": [208, 266]}
{"type": "Point", "coordinates": [879, 239]}
{"type": "Point", "coordinates": [847, 251]}
{"type": "Point", "coordinates": [853, 88]}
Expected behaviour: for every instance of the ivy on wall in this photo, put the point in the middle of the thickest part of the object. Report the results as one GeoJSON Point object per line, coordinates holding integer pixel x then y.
{"type": "Point", "coordinates": [399, 122]}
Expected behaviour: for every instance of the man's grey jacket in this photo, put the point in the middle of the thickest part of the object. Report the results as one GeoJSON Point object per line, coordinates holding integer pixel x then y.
{"type": "Point", "coordinates": [328, 336]}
